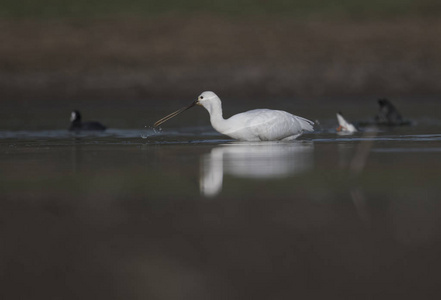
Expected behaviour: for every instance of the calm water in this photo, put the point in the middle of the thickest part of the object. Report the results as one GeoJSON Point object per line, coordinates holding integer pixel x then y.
{"type": "Point", "coordinates": [186, 213]}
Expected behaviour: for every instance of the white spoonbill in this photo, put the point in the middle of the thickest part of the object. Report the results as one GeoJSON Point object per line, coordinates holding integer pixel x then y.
{"type": "Point", "coordinates": [253, 125]}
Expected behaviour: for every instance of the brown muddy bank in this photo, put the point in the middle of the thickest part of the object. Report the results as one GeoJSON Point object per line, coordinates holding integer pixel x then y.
{"type": "Point", "coordinates": [175, 56]}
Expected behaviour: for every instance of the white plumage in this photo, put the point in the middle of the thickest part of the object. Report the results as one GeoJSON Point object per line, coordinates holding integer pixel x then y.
{"type": "Point", "coordinates": [253, 125]}
{"type": "Point", "coordinates": [344, 126]}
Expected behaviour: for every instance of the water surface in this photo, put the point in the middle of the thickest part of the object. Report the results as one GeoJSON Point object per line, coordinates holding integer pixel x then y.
{"type": "Point", "coordinates": [187, 213]}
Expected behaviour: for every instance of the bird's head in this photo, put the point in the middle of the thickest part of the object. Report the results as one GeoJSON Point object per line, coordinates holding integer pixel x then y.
{"type": "Point", "coordinates": [75, 116]}
{"type": "Point", "coordinates": [208, 100]}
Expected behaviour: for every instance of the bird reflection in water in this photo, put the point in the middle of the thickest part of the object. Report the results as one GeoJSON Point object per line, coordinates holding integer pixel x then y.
{"type": "Point", "coordinates": [267, 160]}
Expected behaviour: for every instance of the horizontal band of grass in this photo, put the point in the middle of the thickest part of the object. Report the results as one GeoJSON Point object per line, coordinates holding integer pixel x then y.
{"type": "Point", "coordinates": [148, 8]}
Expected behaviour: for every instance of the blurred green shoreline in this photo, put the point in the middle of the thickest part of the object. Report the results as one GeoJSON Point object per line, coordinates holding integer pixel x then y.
{"type": "Point", "coordinates": [44, 9]}
{"type": "Point", "coordinates": [149, 49]}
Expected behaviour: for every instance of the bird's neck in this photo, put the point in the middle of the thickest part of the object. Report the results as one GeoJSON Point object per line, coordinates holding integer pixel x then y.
{"type": "Point", "coordinates": [216, 118]}
{"type": "Point", "coordinates": [216, 115]}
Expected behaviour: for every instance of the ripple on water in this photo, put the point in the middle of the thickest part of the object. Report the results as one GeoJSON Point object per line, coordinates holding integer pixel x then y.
{"type": "Point", "coordinates": [204, 134]}
{"type": "Point", "coordinates": [398, 138]}
{"type": "Point", "coordinates": [408, 150]}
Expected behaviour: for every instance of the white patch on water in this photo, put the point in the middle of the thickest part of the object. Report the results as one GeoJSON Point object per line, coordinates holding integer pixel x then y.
{"type": "Point", "coordinates": [150, 131]}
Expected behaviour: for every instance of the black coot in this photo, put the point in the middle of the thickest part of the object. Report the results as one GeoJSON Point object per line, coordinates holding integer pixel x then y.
{"type": "Point", "coordinates": [77, 125]}
{"type": "Point", "coordinates": [389, 115]}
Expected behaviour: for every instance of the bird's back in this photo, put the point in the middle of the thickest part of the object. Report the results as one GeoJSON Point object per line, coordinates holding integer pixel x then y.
{"type": "Point", "coordinates": [267, 125]}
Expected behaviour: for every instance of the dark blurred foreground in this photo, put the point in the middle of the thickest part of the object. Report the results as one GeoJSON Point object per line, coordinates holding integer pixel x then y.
{"type": "Point", "coordinates": [107, 218]}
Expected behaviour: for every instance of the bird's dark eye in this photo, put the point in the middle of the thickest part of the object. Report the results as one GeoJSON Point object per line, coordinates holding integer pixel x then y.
{"type": "Point", "coordinates": [201, 97]}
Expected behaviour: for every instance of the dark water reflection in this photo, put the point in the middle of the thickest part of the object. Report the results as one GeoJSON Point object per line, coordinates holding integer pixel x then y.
{"type": "Point", "coordinates": [189, 214]}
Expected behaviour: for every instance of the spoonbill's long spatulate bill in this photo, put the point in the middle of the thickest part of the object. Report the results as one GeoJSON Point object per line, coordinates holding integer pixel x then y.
{"type": "Point", "coordinates": [253, 125]}
{"type": "Point", "coordinates": [174, 114]}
